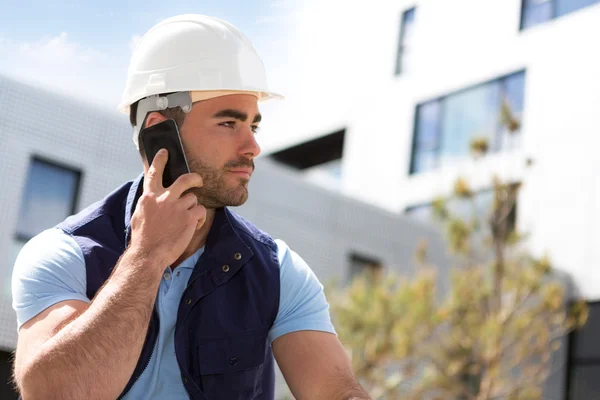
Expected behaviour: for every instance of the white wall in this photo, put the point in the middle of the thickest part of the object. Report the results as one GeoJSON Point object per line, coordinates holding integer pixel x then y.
{"type": "Point", "coordinates": [458, 44]}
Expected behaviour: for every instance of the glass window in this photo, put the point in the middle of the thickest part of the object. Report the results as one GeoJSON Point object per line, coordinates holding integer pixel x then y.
{"type": "Point", "coordinates": [567, 6]}
{"type": "Point", "coordinates": [472, 113]}
{"type": "Point", "coordinates": [513, 95]}
{"type": "Point", "coordinates": [539, 11]}
{"type": "Point", "coordinates": [49, 197]}
{"type": "Point", "coordinates": [427, 142]}
{"type": "Point", "coordinates": [513, 91]}
{"type": "Point", "coordinates": [536, 12]}
{"type": "Point", "coordinates": [406, 39]}
{"type": "Point", "coordinates": [446, 127]}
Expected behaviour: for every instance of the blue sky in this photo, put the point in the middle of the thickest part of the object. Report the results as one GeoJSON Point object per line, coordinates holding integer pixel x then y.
{"type": "Point", "coordinates": [100, 34]}
{"type": "Point", "coordinates": [82, 49]}
{"type": "Point", "coordinates": [108, 25]}
{"type": "Point", "coordinates": [103, 24]}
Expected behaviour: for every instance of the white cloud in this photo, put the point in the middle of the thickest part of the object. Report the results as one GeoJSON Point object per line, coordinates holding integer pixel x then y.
{"type": "Point", "coordinates": [61, 64]}
{"type": "Point", "coordinates": [58, 50]}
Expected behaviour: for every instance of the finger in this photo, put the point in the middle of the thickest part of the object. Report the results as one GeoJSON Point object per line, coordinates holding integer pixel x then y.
{"type": "Point", "coordinates": [153, 181]}
{"type": "Point", "coordinates": [188, 201]}
{"type": "Point", "coordinates": [199, 213]}
{"type": "Point", "coordinates": [184, 183]}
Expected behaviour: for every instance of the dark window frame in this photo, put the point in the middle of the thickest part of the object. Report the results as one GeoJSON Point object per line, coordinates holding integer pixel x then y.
{"type": "Point", "coordinates": [312, 153]}
{"type": "Point", "coordinates": [442, 104]}
{"type": "Point", "coordinates": [401, 46]}
{"type": "Point", "coordinates": [571, 359]}
{"type": "Point", "coordinates": [20, 237]}
{"type": "Point", "coordinates": [370, 265]}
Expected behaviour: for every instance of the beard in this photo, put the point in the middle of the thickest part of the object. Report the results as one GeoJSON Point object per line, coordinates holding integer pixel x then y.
{"type": "Point", "coordinates": [216, 192]}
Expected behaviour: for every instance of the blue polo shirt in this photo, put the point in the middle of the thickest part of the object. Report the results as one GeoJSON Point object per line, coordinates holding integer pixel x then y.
{"type": "Point", "coordinates": [51, 268]}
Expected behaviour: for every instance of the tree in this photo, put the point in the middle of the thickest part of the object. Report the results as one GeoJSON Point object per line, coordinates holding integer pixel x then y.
{"type": "Point", "coordinates": [491, 335]}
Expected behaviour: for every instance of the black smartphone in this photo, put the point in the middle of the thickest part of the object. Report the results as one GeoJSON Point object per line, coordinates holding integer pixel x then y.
{"type": "Point", "coordinates": [165, 135]}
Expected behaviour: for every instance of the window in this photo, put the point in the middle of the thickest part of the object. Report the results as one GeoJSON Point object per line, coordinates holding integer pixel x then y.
{"type": "Point", "coordinates": [445, 127]}
{"type": "Point", "coordinates": [321, 157]}
{"type": "Point", "coordinates": [406, 39]}
{"type": "Point", "coordinates": [361, 264]}
{"type": "Point", "coordinates": [535, 12]}
{"type": "Point", "coordinates": [584, 358]}
{"type": "Point", "coordinates": [462, 208]}
{"type": "Point", "coordinates": [50, 195]}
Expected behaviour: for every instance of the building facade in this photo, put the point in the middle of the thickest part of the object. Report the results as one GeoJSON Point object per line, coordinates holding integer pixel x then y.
{"type": "Point", "coordinates": [442, 73]}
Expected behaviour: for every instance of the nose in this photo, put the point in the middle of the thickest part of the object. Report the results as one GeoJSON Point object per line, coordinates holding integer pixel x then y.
{"type": "Point", "coordinates": [250, 147]}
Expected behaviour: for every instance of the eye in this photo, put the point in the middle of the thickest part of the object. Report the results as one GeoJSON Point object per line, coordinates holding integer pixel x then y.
{"type": "Point", "coordinates": [228, 124]}
{"type": "Point", "coordinates": [255, 128]}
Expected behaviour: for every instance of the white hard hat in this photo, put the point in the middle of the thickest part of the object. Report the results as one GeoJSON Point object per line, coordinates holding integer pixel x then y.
{"type": "Point", "coordinates": [190, 53]}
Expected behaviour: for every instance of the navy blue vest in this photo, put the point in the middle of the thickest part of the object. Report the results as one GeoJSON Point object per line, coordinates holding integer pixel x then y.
{"type": "Point", "coordinates": [224, 316]}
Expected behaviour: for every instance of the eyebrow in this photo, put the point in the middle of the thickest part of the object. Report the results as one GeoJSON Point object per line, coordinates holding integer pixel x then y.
{"type": "Point", "coordinates": [236, 114]}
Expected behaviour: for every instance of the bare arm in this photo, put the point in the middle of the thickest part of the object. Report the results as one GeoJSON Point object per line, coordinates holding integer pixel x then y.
{"type": "Point", "coordinates": [316, 367]}
{"type": "Point", "coordinates": [76, 351]}
{"type": "Point", "coordinates": [93, 355]}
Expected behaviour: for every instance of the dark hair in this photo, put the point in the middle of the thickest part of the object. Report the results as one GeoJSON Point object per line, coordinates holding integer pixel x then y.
{"type": "Point", "coordinates": [176, 114]}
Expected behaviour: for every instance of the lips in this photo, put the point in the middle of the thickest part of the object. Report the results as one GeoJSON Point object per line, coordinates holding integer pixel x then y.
{"type": "Point", "coordinates": [244, 172]}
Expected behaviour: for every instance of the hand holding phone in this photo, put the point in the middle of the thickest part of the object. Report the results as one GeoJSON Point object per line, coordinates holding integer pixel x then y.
{"type": "Point", "coordinates": [164, 220]}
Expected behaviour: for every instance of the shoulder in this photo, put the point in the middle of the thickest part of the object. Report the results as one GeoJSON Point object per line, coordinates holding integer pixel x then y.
{"type": "Point", "coordinates": [50, 246]}
{"type": "Point", "coordinates": [291, 263]}
{"type": "Point", "coordinates": [49, 268]}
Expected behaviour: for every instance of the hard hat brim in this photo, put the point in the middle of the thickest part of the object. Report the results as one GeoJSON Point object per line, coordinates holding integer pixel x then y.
{"type": "Point", "coordinates": [125, 107]}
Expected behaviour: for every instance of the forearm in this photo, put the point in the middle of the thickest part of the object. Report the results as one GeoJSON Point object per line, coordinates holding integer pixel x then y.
{"type": "Point", "coordinates": [340, 385]}
{"type": "Point", "coordinates": [94, 355]}
{"type": "Point", "coordinates": [347, 388]}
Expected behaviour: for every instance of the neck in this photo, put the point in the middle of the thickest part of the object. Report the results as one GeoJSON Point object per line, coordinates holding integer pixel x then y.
{"type": "Point", "coordinates": [199, 238]}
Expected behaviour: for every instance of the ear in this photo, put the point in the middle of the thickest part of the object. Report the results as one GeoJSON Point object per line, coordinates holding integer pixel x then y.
{"type": "Point", "coordinates": [154, 118]}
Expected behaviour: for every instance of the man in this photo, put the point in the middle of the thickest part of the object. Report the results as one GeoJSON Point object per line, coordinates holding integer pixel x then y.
{"type": "Point", "coordinates": [164, 293]}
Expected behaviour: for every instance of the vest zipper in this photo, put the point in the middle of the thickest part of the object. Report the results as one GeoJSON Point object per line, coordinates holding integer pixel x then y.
{"type": "Point", "coordinates": [177, 325]}
{"type": "Point", "coordinates": [137, 376]}
{"type": "Point", "coordinates": [175, 343]}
